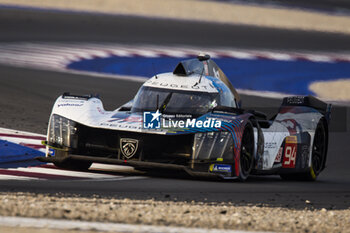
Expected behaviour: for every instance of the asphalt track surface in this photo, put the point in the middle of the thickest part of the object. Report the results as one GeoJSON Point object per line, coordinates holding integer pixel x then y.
{"type": "Point", "coordinates": [32, 25]}
{"type": "Point", "coordinates": [26, 97]}
{"type": "Point", "coordinates": [329, 6]}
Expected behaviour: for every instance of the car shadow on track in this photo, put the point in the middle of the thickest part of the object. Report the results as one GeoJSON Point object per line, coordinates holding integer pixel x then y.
{"type": "Point", "coordinates": [182, 175]}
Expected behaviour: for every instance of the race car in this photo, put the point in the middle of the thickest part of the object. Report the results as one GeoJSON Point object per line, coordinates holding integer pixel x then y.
{"type": "Point", "coordinates": [191, 120]}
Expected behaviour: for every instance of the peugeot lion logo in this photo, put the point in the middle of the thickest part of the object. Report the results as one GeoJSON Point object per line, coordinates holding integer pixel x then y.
{"type": "Point", "coordinates": [128, 147]}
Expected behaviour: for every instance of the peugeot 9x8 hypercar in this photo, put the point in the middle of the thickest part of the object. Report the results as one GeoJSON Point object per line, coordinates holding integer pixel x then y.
{"type": "Point", "coordinates": [191, 119]}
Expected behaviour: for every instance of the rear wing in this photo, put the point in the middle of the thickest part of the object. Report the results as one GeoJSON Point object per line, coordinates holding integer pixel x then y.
{"type": "Point", "coordinates": [309, 101]}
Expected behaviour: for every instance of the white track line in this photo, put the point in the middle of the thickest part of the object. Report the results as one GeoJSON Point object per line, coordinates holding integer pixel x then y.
{"type": "Point", "coordinates": [121, 178]}
{"type": "Point", "coordinates": [54, 171]}
{"type": "Point", "coordinates": [13, 177]}
{"type": "Point", "coordinates": [18, 132]}
{"type": "Point", "coordinates": [21, 140]}
{"type": "Point", "coordinates": [110, 167]}
{"type": "Point", "coordinates": [103, 227]}
{"type": "Point", "coordinates": [31, 140]}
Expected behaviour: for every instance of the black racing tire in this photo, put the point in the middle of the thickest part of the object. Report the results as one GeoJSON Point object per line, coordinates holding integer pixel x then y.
{"type": "Point", "coordinates": [246, 160]}
{"type": "Point", "coordinates": [74, 165]}
{"type": "Point", "coordinates": [318, 156]}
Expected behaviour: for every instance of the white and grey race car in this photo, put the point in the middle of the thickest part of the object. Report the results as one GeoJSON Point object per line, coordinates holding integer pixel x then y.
{"type": "Point", "coordinates": [191, 120]}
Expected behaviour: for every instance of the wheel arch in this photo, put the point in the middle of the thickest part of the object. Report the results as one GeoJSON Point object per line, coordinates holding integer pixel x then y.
{"type": "Point", "coordinates": [243, 174]}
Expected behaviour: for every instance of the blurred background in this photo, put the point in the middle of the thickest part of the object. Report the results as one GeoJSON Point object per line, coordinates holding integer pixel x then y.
{"type": "Point", "coordinates": [268, 49]}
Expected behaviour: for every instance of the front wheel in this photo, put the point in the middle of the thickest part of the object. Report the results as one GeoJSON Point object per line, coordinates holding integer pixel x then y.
{"type": "Point", "coordinates": [246, 160]}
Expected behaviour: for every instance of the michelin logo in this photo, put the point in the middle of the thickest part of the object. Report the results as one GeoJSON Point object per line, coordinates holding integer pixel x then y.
{"type": "Point", "coordinates": [220, 168]}
{"type": "Point", "coordinates": [153, 120]}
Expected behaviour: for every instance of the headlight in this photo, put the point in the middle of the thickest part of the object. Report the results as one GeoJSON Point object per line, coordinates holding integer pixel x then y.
{"type": "Point", "coordinates": [213, 145]}
{"type": "Point", "coordinates": [62, 131]}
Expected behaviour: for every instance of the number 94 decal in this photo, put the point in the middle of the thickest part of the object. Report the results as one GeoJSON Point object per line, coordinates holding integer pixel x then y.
{"type": "Point", "coordinates": [290, 152]}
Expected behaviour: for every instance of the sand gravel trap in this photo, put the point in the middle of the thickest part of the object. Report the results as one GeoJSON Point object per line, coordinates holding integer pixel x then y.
{"type": "Point", "coordinates": [186, 214]}
{"type": "Point", "coordinates": [204, 11]}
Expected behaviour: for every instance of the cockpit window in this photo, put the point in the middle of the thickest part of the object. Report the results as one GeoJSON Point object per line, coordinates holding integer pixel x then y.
{"type": "Point", "coordinates": [188, 67]}
{"type": "Point", "coordinates": [171, 101]}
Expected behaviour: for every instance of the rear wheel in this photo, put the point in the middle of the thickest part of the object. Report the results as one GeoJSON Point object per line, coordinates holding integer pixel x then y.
{"type": "Point", "coordinates": [319, 151]}
{"type": "Point", "coordinates": [74, 165]}
{"type": "Point", "coordinates": [318, 156]}
{"type": "Point", "coordinates": [246, 161]}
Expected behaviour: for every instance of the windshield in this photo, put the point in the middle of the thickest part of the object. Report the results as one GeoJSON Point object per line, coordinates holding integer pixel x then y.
{"type": "Point", "coordinates": [193, 66]}
{"type": "Point", "coordinates": [174, 101]}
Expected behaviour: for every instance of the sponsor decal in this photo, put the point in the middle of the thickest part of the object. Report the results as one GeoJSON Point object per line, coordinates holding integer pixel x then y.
{"type": "Point", "coordinates": [290, 152]}
{"type": "Point", "coordinates": [291, 139]}
{"type": "Point", "coordinates": [279, 155]}
{"type": "Point", "coordinates": [270, 145]}
{"type": "Point", "coordinates": [295, 100]}
{"type": "Point", "coordinates": [154, 120]}
{"type": "Point", "coordinates": [122, 119]}
{"type": "Point", "coordinates": [208, 87]}
{"type": "Point", "coordinates": [128, 147]}
{"type": "Point", "coordinates": [220, 168]}
{"type": "Point", "coordinates": [69, 105]}
{"type": "Point", "coordinates": [100, 110]}
{"type": "Point", "coordinates": [133, 119]}
{"type": "Point", "coordinates": [121, 125]}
